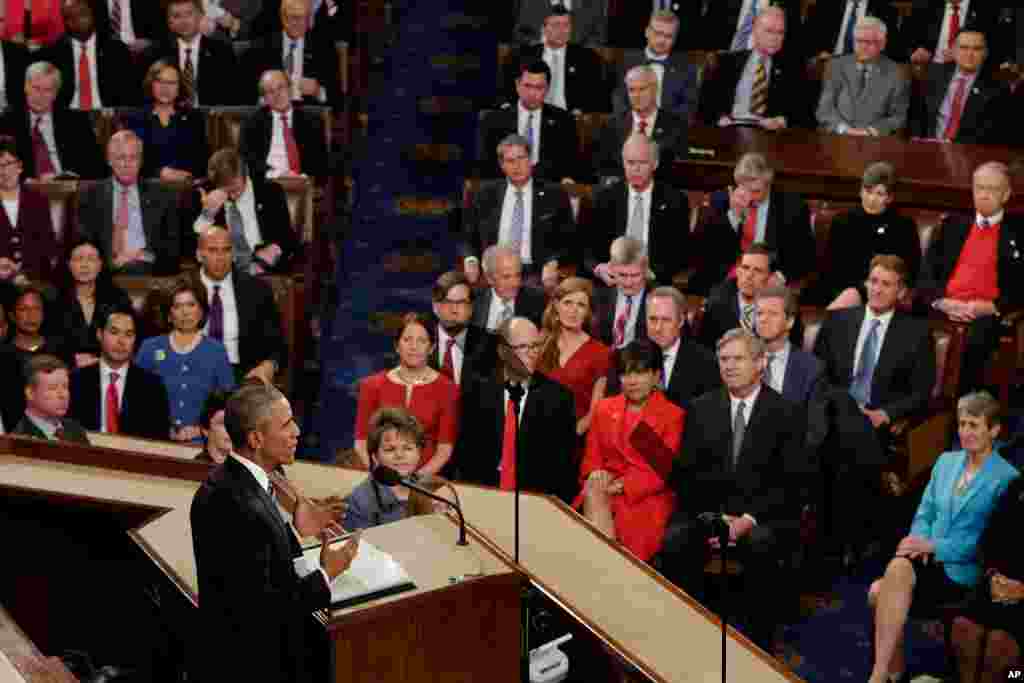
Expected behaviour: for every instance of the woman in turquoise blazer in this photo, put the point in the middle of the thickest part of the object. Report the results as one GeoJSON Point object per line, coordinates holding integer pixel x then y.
{"type": "Point", "coordinates": [937, 563]}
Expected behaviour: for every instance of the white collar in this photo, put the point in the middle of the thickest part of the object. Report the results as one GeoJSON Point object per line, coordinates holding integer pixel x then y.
{"type": "Point", "coordinates": [226, 283]}
{"type": "Point", "coordinates": [86, 44]}
{"type": "Point", "coordinates": [523, 111]}
{"type": "Point", "coordinates": [674, 349]}
{"type": "Point", "coordinates": [994, 219]}
{"type": "Point", "coordinates": [527, 188]}
{"type": "Point", "coordinates": [749, 400]}
{"type": "Point", "coordinates": [646, 194]}
{"type": "Point", "coordinates": [105, 370]}
{"type": "Point", "coordinates": [654, 57]}
{"type": "Point", "coordinates": [443, 336]}
{"type": "Point", "coordinates": [261, 476]}
{"type": "Point", "coordinates": [191, 44]}
{"type": "Point", "coordinates": [883, 320]}
{"type": "Point", "coordinates": [555, 50]}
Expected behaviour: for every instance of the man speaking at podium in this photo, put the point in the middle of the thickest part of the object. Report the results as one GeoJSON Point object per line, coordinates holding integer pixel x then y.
{"type": "Point", "coordinates": [253, 607]}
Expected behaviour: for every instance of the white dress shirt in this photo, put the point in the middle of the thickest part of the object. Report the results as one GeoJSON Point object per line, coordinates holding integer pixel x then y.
{"type": "Point", "coordinates": [741, 103]}
{"type": "Point", "coordinates": [46, 129]}
{"type": "Point", "coordinates": [556, 94]}
{"type": "Point", "coordinates": [229, 306]}
{"type": "Point", "coordinates": [458, 355]}
{"type": "Point", "coordinates": [668, 360]}
{"type": "Point", "coordinates": [122, 382]}
{"type": "Point", "coordinates": [780, 360]}
{"type": "Point", "coordinates": [645, 200]}
{"type": "Point", "coordinates": [277, 156]}
{"type": "Point", "coordinates": [497, 306]}
{"type": "Point", "coordinates": [127, 34]}
{"type": "Point", "coordinates": [629, 334]}
{"type": "Point", "coordinates": [883, 326]}
{"type": "Point", "coordinates": [651, 121]}
{"type": "Point", "coordinates": [89, 47]}
{"type": "Point", "coordinates": [943, 43]}
{"type": "Point", "coordinates": [505, 227]}
{"type": "Point", "coordinates": [862, 8]}
{"type": "Point", "coordinates": [11, 208]}
{"type": "Point", "coordinates": [194, 46]}
{"type": "Point", "coordinates": [523, 121]}
{"type": "Point", "coordinates": [994, 219]}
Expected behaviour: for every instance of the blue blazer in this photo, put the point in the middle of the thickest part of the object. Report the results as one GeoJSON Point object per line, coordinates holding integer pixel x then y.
{"type": "Point", "coordinates": [955, 523]}
{"type": "Point", "coordinates": [804, 385]}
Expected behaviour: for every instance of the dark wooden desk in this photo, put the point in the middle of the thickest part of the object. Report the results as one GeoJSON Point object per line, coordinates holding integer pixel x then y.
{"type": "Point", "coordinates": [826, 166]}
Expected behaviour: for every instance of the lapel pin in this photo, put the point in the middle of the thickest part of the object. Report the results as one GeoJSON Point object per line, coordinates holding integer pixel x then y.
{"type": "Point", "coordinates": [540, 193]}
{"type": "Point", "coordinates": [661, 208]}
{"type": "Point", "coordinates": [259, 207]}
{"type": "Point", "coordinates": [572, 69]}
{"type": "Point", "coordinates": [881, 229]}
{"type": "Point", "coordinates": [975, 91]}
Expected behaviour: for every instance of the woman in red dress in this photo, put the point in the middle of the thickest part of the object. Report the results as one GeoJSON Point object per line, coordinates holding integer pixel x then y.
{"type": "Point", "coordinates": [633, 440]}
{"type": "Point", "coordinates": [427, 394]}
{"type": "Point", "coordinates": [47, 22]}
{"type": "Point", "coordinates": [570, 355]}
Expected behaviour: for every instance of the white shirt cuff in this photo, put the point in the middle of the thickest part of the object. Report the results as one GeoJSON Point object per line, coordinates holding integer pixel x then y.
{"type": "Point", "coordinates": [327, 579]}
{"type": "Point", "coordinates": [751, 518]}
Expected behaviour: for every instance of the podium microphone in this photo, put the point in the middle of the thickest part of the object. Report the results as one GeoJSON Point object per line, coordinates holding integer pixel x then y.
{"type": "Point", "coordinates": [715, 523]}
{"type": "Point", "coordinates": [386, 476]}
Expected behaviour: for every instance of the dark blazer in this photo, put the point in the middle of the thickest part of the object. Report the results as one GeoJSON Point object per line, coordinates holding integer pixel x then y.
{"type": "Point", "coordinates": [923, 27]}
{"type": "Point", "coordinates": [75, 138]}
{"type": "Point", "coordinates": [603, 313]}
{"type": "Point", "coordinates": [678, 84]}
{"type": "Point", "coordinates": [585, 88]}
{"type": "Point", "coordinates": [39, 249]}
{"type": "Point", "coordinates": [558, 142]}
{"type": "Point", "coordinates": [787, 89]}
{"type": "Point", "coordinates": [551, 227]}
{"type": "Point", "coordinates": [825, 22]}
{"type": "Point", "coordinates": [236, 525]}
{"type": "Point", "coordinates": [722, 16]}
{"type": "Point", "coordinates": [589, 21]}
{"type": "Point", "coordinates": [274, 219]}
{"type": "Point", "coordinates": [16, 59]}
{"type": "Point", "coordinates": [160, 221]}
{"type": "Point", "coordinates": [72, 430]}
{"type": "Point", "coordinates": [79, 334]}
{"type": "Point", "coordinates": [787, 232]}
{"type": "Point", "coordinates": [771, 474]}
{"type": "Point", "coordinates": [145, 410]}
{"type": "Point", "coordinates": [219, 82]}
{"type": "Point", "coordinates": [319, 61]}
{"type": "Point", "coordinates": [529, 303]}
{"type": "Point", "coordinates": [12, 397]}
{"type": "Point", "coordinates": [984, 115]}
{"type": "Point", "coordinates": [148, 21]}
{"type": "Point", "coordinates": [722, 313]}
{"type": "Point", "coordinates": [669, 249]}
{"type": "Point", "coordinates": [480, 354]}
{"type": "Point", "coordinates": [308, 129]}
{"type": "Point", "coordinates": [905, 370]}
{"type": "Point", "coordinates": [694, 374]}
{"type": "Point", "coordinates": [182, 144]}
{"type": "Point", "coordinates": [547, 437]}
{"type": "Point", "coordinates": [944, 252]}
{"type": "Point", "coordinates": [805, 386]}
{"type": "Point", "coordinates": [114, 69]}
{"type": "Point", "coordinates": [670, 132]}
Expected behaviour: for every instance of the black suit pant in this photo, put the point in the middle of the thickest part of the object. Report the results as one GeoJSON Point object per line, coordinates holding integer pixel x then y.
{"type": "Point", "coordinates": [982, 339]}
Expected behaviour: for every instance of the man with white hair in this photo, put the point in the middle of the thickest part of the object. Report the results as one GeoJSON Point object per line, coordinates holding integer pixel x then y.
{"type": "Point", "coordinates": [866, 93]}
{"type": "Point", "coordinates": [505, 296]}
{"type": "Point", "coordinates": [677, 77]}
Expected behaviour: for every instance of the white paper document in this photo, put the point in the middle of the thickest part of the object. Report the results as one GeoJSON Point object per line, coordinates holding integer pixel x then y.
{"type": "Point", "coordinates": [373, 573]}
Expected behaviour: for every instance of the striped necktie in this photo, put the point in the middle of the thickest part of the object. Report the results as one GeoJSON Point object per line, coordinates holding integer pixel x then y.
{"type": "Point", "coordinates": [759, 90]}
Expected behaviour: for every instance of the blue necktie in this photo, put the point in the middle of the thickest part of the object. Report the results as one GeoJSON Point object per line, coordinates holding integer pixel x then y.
{"type": "Point", "coordinates": [850, 24]}
{"type": "Point", "coordinates": [746, 28]}
{"type": "Point", "coordinates": [860, 388]}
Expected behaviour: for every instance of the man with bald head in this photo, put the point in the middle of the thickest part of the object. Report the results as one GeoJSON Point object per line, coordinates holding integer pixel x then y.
{"type": "Point", "coordinates": [505, 296]}
{"type": "Point", "coordinates": [536, 450]}
{"type": "Point", "coordinates": [974, 268]}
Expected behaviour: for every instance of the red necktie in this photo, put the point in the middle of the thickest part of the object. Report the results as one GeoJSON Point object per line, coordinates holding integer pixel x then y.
{"type": "Point", "coordinates": [954, 24]}
{"type": "Point", "coordinates": [448, 365]}
{"type": "Point", "coordinates": [508, 449]}
{"type": "Point", "coordinates": [289, 142]}
{"type": "Point", "coordinates": [956, 109]}
{"type": "Point", "coordinates": [84, 82]}
{"type": "Point", "coordinates": [41, 151]}
{"type": "Point", "coordinates": [749, 229]}
{"type": "Point", "coordinates": [641, 124]}
{"type": "Point", "coordinates": [620, 322]}
{"type": "Point", "coordinates": [113, 406]}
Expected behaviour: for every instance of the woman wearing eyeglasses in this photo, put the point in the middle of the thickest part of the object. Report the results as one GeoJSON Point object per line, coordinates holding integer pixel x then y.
{"type": "Point", "coordinates": [28, 247]}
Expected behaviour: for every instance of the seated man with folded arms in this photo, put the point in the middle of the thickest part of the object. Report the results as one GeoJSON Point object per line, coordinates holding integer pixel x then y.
{"type": "Point", "coordinates": [506, 295]}
{"type": "Point", "coordinates": [255, 212]}
{"type": "Point", "coordinates": [866, 93]}
{"type": "Point", "coordinates": [619, 312]}
{"type": "Point", "coordinates": [973, 269]}
{"type": "Point", "coordinates": [937, 562]}
{"type": "Point", "coordinates": [47, 399]}
{"type": "Point", "coordinates": [677, 77]}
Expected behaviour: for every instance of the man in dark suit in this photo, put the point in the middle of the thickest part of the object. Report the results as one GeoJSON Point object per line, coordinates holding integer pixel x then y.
{"type": "Point", "coordinates": [730, 24]}
{"type": "Point", "coordinates": [138, 25]}
{"type": "Point", "coordinates": [762, 85]}
{"type": "Point", "coordinates": [463, 350]}
{"type": "Point", "coordinates": [309, 61]}
{"type": "Point", "coordinates": [137, 223]}
{"type": "Point", "coordinates": [879, 369]}
{"type": "Point", "coordinates": [332, 19]}
{"type": "Point", "coordinates": [519, 210]}
{"type": "Point", "coordinates": [619, 311]}
{"type": "Point", "coordinates": [643, 117]}
{"type": "Point", "coordinates": [550, 131]}
{"type": "Point", "coordinates": [114, 395]}
{"type": "Point", "coordinates": [208, 64]}
{"type": "Point", "coordinates": [961, 101]}
{"type": "Point", "coordinates": [633, 18]}
{"type": "Point", "coordinates": [254, 210]}
{"type": "Point", "coordinates": [506, 296]}
{"type": "Point", "coordinates": [56, 140]}
{"type": "Point", "coordinates": [753, 212]}
{"type": "Point", "coordinates": [830, 24]}
{"type": "Point", "coordinates": [589, 20]}
{"type": "Point", "coordinates": [279, 139]}
{"type": "Point", "coordinates": [746, 460]}
{"type": "Point", "coordinates": [13, 60]}
{"type": "Point", "coordinates": [255, 604]}
{"type": "Point", "coordinates": [931, 29]}
{"type": "Point", "coordinates": [94, 67]}
{"type": "Point", "coordinates": [655, 213]}
{"type": "Point", "coordinates": [973, 269]}
{"type": "Point", "coordinates": [576, 82]}
{"type": "Point", "coordinates": [47, 399]}
{"type": "Point", "coordinates": [492, 449]}
{"type": "Point", "coordinates": [677, 77]}
{"type": "Point", "coordinates": [242, 312]}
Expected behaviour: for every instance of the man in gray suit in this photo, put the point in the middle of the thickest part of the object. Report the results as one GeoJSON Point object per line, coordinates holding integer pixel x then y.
{"type": "Point", "coordinates": [865, 93]}
{"type": "Point", "coordinates": [506, 296]}
{"type": "Point", "coordinates": [677, 78]}
{"type": "Point", "coordinates": [589, 20]}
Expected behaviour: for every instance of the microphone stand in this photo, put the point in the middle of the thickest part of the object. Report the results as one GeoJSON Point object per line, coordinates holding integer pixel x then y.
{"type": "Point", "coordinates": [515, 394]}
{"type": "Point", "coordinates": [715, 522]}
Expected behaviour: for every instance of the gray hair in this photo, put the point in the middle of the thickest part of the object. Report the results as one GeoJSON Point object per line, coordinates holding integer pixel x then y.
{"type": "Point", "coordinates": [754, 343]}
{"type": "Point", "coordinates": [879, 173]}
{"type": "Point", "coordinates": [996, 167]}
{"type": "Point", "coordinates": [665, 15]}
{"type": "Point", "coordinates": [37, 69]}
{"type": "Point", "coordinates": [652, 145]}
{"type": "Point", "coordinates": [125, 136]}
{"type": "Point", "coordinates": [669, 293]}
{"type": "Point", "coordinates": [626, 250]}
{"type": "Point", "coordinates": [770, 10]}
{"type": "Point", "coordinates": [641, 71]}
{"type": "Point", "coordinates": [981, 404]}
{"type": "Point", "coordinates": [871, 23]}
{"type": "Point", "coordinates": [513, 140]}
{"type": "Point", "coordinates": [780, 292]}
{"type": "Point", "coordinates": [247, 411]}
{"type": "Point", "coordinates": [753, 166]}
{"type": "Point", "coordinates": [489, 260]}
{"type": "Point", "coordinates": [270, 72]}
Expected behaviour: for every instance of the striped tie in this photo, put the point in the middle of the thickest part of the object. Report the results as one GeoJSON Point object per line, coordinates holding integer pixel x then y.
{"type": "Point", "coordinates": [759, 91]}
{"type": "Point", "coordinates": [188, 74]}
{"type": "Point", "coordinates": [115, 18]}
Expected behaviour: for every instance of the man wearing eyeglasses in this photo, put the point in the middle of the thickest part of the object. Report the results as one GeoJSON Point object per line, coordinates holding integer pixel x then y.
{"type": "Point", "coordinates": [520, 428]}
{"type": "Point", "coordinates": [463, 350]}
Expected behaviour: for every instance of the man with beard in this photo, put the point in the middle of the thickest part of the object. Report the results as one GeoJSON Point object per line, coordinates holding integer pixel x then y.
{"type": "Point", "coordinates": [463, 350]}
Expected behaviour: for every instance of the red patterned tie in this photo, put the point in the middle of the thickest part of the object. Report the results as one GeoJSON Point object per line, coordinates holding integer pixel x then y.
{"type": "Point", "coordinates": [508, 449]}
{"type": "Point", "coordinates": [294, 164]}
{"type": "Point", "coordinates": [641, 125]}
{"type": "Point", "coordinates": [956, 109]}
{"type": "Point", "coordinates": [954, 24]}
{"type": "Point", "coordinates": [749, 229]}
{"type": "Point", "coordinates": [84, 82]}
{"type": "Point", "coordinates": [620, 322]}
{"type": "Point", "coordinates": [113, 406]}
{"type": "Point", "coordinates": [41, 152]}
{"type": "Point", "coordinates": [448, 365]}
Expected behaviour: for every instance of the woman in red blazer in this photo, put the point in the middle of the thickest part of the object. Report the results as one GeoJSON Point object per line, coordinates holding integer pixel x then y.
{"type": "Point", "coordinates": [633, 440]}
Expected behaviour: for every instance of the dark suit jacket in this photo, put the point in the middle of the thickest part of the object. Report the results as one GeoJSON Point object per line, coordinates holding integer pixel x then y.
{"type": "Point", "coordinates": [259, 611]}
{"type": "Point", "coordinates": [114, 68]}
{"type": "Point", "coordinates": [804, 385]}
{"type": "Point", "coordinates": [694, 374]}
{"type": "Point", "coordinates": [72, 430]}
{"type": "Point", "coordinates": [479, 358]}
{"type": "Point", "coordinates": [905, 370]}
{"type": "Point", "coordinates": [148, 21]}
{"type": "Point", "coordinates": [145, 410]}
{"type": "Point", "coordinates": [787, 89]}
{"type": "Point", "coordinates": [558, 142]}
{"type": "Point", "coordinates": [75, 138]}
{"type": "Point", "coordinates": [16, 59]}
{"type": "Point", "coordinates": [668, 232]}
{"type": "Point", "coordinates": [589, 21]}
{"type": "Point", "coordinates": [678, 85]}
{"type": "Point", "coordinates": [160, 221]}
{"type": "Point", "coordinates": [923, 27]}
{"type": "Point", "coordinates": [773, 470]}
{"type": "Point", "coordinates": [984, 115]}
{"type": "Point", "coordinates": [603, 313]}
{"type": "Point", "coordinates": [722, 16]}
{"type": "Point", "coordinates": [825, 22]}
{"type": "Point", "coordinates": [547, 437]}
{"type": "Point", "coordinates": [219, 82]}
{"type": "Point", "coordinates": [187, 149]}
{"type": "Point", "coordinates": [944, 252]}
{"type": "Point", "coordinates": [529, 303]}
{"type": "Point", "coordinates": [39, 249]}
{"type": "Point", "coordinates": [585, 88]}
{"type": "Point", "coordinates": [319, 61]}
{"type": "Point", "coordinates": [787, 232]}
{"type": "Point", "coordinates": [550, 230]}
{"type": "Point", "coordinates": [670, 132]}
{"type": "Point", "coordinates": [12, 396]}
{"type": "Point", "coordinates": [257, 130]}
{"type": "Point", "coordinates": [722, 313]}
